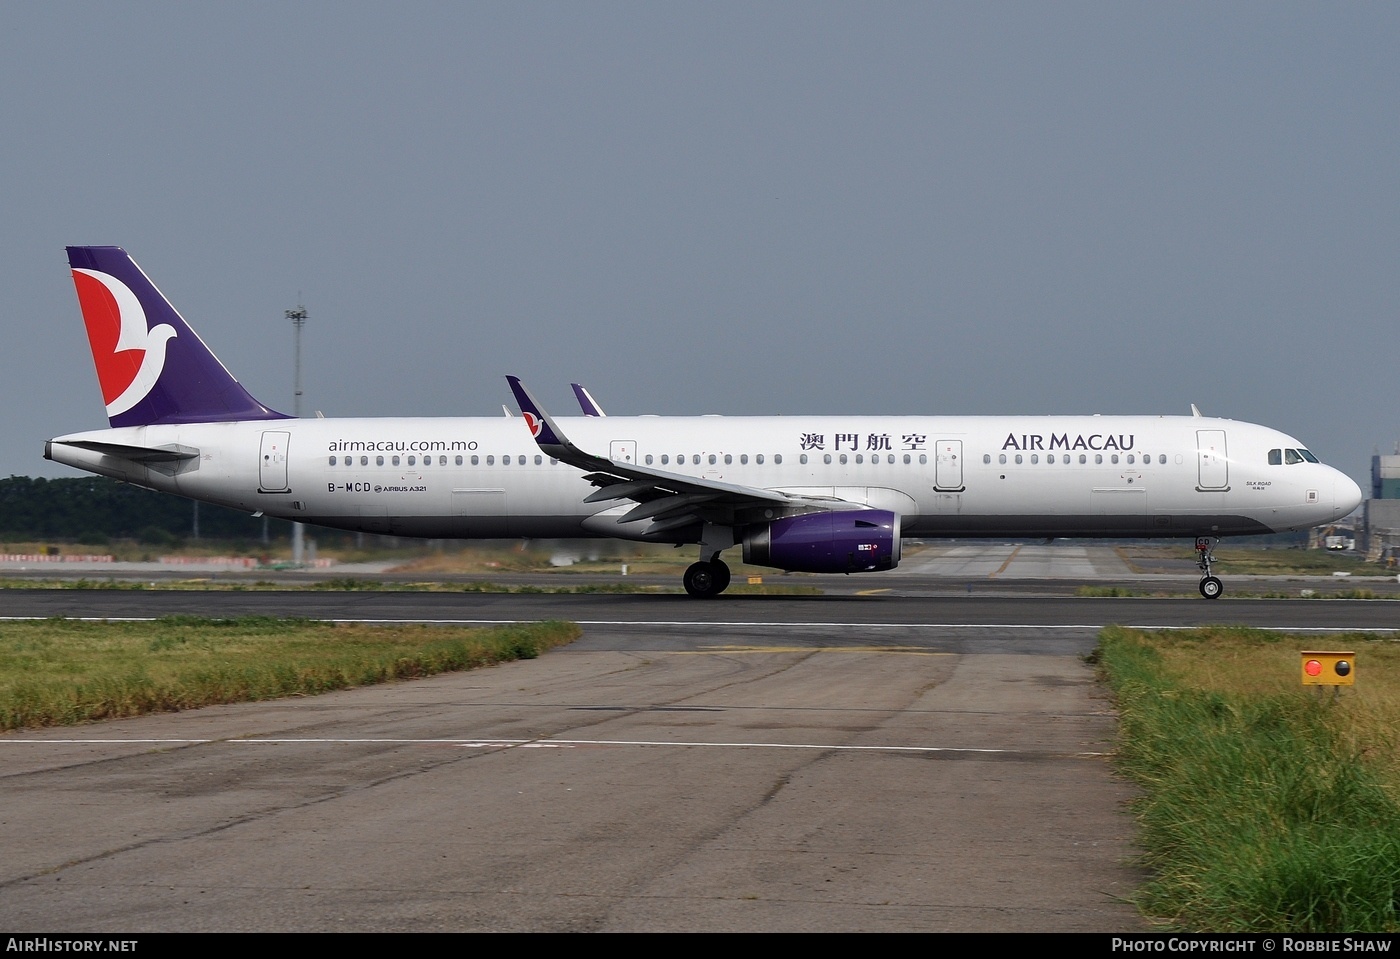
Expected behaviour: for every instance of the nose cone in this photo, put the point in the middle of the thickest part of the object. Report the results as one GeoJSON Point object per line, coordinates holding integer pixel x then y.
{"type": "Point", "coordinates": [1346, 495]}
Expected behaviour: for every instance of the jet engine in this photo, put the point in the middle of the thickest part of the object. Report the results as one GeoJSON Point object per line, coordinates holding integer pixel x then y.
{"type": "Point", "coordinates": [846, 541]}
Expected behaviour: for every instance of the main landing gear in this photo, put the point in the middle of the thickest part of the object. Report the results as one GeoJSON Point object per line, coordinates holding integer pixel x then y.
{"type": "Point", "coordinates": [710, 577]}
{"type": "Point", "coordinates": [1211, 586]}
{"type": "Point", "coordinates": [706, 579]}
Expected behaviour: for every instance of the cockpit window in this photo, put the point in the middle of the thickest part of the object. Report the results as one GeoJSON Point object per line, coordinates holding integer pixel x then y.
{"type": "Point", "coordinates": [1290, 457]}
{"type": "Point", "coordinates": [1308, 456]}
{"type": "Point", "coordinates": [1275, 457]}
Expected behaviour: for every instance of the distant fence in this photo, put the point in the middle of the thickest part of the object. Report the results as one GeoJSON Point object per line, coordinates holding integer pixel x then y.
{"type": "Point", "coordinates": [243, 562]}
{"type": "Point", "coordinates": [46, 558]}
{"type": "Point", "coordinates": [246, 562]}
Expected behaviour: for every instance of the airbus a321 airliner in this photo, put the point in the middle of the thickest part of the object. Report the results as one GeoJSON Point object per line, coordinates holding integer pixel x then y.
{"type": "Point", "coordinates": [821, 494]}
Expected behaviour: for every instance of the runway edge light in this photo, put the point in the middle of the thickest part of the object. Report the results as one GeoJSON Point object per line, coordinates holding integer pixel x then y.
{"type": "Point", "coordinates": [1328, 668]}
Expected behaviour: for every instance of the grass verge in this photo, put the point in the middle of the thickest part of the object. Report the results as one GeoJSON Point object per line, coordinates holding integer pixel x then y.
{"type": "Point", "coordinates": [59, 672]}
{"type": "Point", "coordinates": [1266, 809]}
{"type": "Point", "coordinates": [367, 584]}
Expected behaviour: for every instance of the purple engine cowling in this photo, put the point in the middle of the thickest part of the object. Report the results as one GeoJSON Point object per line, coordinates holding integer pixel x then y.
{"type": "Point", "coordinates": [846, 541]}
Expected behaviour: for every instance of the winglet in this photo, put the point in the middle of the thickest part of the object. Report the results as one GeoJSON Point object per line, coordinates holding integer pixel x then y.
{"type": "Point", "coordinates": [542, 428]}
{"type": "Point", "coordinates": [586, 402]}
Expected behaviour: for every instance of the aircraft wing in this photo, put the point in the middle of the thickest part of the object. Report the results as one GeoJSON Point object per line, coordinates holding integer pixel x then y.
{"type": "Point", "coordinates": [669, 500]}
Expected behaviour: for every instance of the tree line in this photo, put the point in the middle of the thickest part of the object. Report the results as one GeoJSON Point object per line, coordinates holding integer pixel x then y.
{"type": "Point", "coordinates": [95, 509]}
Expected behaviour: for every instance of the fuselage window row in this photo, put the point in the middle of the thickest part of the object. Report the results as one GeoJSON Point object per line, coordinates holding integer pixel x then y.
{"type": "Point", "coordinates": [441, 461]}
{"type": "Point", "coordinates": [1069, 459]}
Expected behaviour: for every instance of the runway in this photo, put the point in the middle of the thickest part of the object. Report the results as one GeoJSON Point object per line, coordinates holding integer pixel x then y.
{"type": "Point", "coordinates": [850, 762]}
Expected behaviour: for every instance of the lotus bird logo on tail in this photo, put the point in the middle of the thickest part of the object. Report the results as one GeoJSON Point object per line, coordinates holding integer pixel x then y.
{"type": "Point", "coordinates": [534, 422]}
{"type": "Point", "coordinates": [129, 356]}
{"type": "Point", "coordinates": [151, 366]}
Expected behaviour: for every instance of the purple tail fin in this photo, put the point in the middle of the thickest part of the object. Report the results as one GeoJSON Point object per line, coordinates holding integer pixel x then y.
{"type": "Point", "coordinates": [152, 367]}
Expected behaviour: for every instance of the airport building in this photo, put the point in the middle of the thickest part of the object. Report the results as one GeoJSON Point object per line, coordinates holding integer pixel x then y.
{"type": "Point", "coordinates": [1379, 535]}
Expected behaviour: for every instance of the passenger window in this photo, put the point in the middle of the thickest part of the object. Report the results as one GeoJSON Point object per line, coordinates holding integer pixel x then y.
{"type": "Point", "coordinates": [490, 461]}
{"type": "Point", "coordinates": [778, 458]}
{"type": "Point", "coordinates": [459, 460]}
{"type": "Point", "coordinates": [379, 461]}
{"type": "Point", "coordinates": [539, 460]}
{"type": "Point", "coordinates": [1113, 459]}
{"type": "Point", "coordinates": [743, 459]}
{"type": "Point", "coordinates": [332, 460]}
{"type": "Point", "coordinates": [827, 459]}
{"type": "Point", "coordinates": [1018, 459]}
{"type": "Point", "coordinates": [758, 459]}
{"type": "Point", "coordinates": [696, 459]}
{"type": "Point", "coordinates": [1083, 459]}
{"type": "Point", "coordinates": [665, 459]}
{"type": "Point", "coordinates": [728, 459]}
{"type": "Point", "coordinates": [1098, 459]}
{"type": "Point", "coordinates": [712, 459]}
{"type": "Point", "coordinates": [986, 457]}
{"type": "Point", "coordinates": [1035, 458]}
{"type": "Point", "coordinates": [906, 459]}
{"type": "Point", "coordinates": [476, 460]}
{"type": "Point", "coordinates": [859, 458]}
{"type": "Point", "coordinates": [648, 459]}
{"type": "Point", "coordinates": [801, 459]}
{"type": "Point", "coordinates": [923, 459]}
{"type": "Point", "coordinates": [1000, 459]}
{"type": "Point", "coordinates": [348, 460]}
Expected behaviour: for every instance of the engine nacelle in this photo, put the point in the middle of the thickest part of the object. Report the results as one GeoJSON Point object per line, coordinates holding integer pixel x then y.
{"type": "Point", "coordinates": [845, 541]}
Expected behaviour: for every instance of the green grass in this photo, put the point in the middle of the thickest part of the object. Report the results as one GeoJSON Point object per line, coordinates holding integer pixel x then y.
{"type": "Point", "coordinates": [366, 584]}
{"type": "Point", "coordinates": [1265, 808]}
{"type": "Point", "coordinates": [59, 672]}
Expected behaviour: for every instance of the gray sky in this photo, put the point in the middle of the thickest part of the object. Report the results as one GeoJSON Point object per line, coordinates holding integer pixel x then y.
{"type": "Point", "coordinates": [721, 207]}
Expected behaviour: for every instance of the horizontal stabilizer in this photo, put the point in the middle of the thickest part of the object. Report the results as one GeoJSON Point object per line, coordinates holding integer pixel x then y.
{"type": "Point", "coordinates": [138, 454]}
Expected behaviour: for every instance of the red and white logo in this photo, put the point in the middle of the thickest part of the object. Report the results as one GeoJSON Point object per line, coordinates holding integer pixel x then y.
{"type": "Point", "coordinates": [534, 422]}
{"type": "Point", "coordinates": [129, 357]}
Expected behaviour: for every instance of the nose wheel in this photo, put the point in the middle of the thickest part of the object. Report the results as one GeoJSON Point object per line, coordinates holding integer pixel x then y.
{"type": "Point", "coordinates": [1211, 587]}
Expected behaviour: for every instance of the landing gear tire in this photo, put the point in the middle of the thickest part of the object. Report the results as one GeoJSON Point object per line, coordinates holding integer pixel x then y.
{"type": "Point", "coordinates": [1212, 587]}
{"type": "Point", "coordinates": [721, 575]}
{"type": "Point", "coordinates": [706, 580]}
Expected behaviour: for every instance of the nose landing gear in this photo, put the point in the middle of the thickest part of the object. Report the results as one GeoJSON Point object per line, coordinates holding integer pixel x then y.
{"type": "Point", "coordinates": [1211, 587]}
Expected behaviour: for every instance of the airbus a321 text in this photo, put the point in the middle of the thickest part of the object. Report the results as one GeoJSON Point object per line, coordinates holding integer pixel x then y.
{"type": "Point", "coordinates": [820, 494]}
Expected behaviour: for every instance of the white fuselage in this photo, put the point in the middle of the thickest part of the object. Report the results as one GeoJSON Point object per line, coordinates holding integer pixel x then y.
{"type": "Point", "coordinates": [945, 476]}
